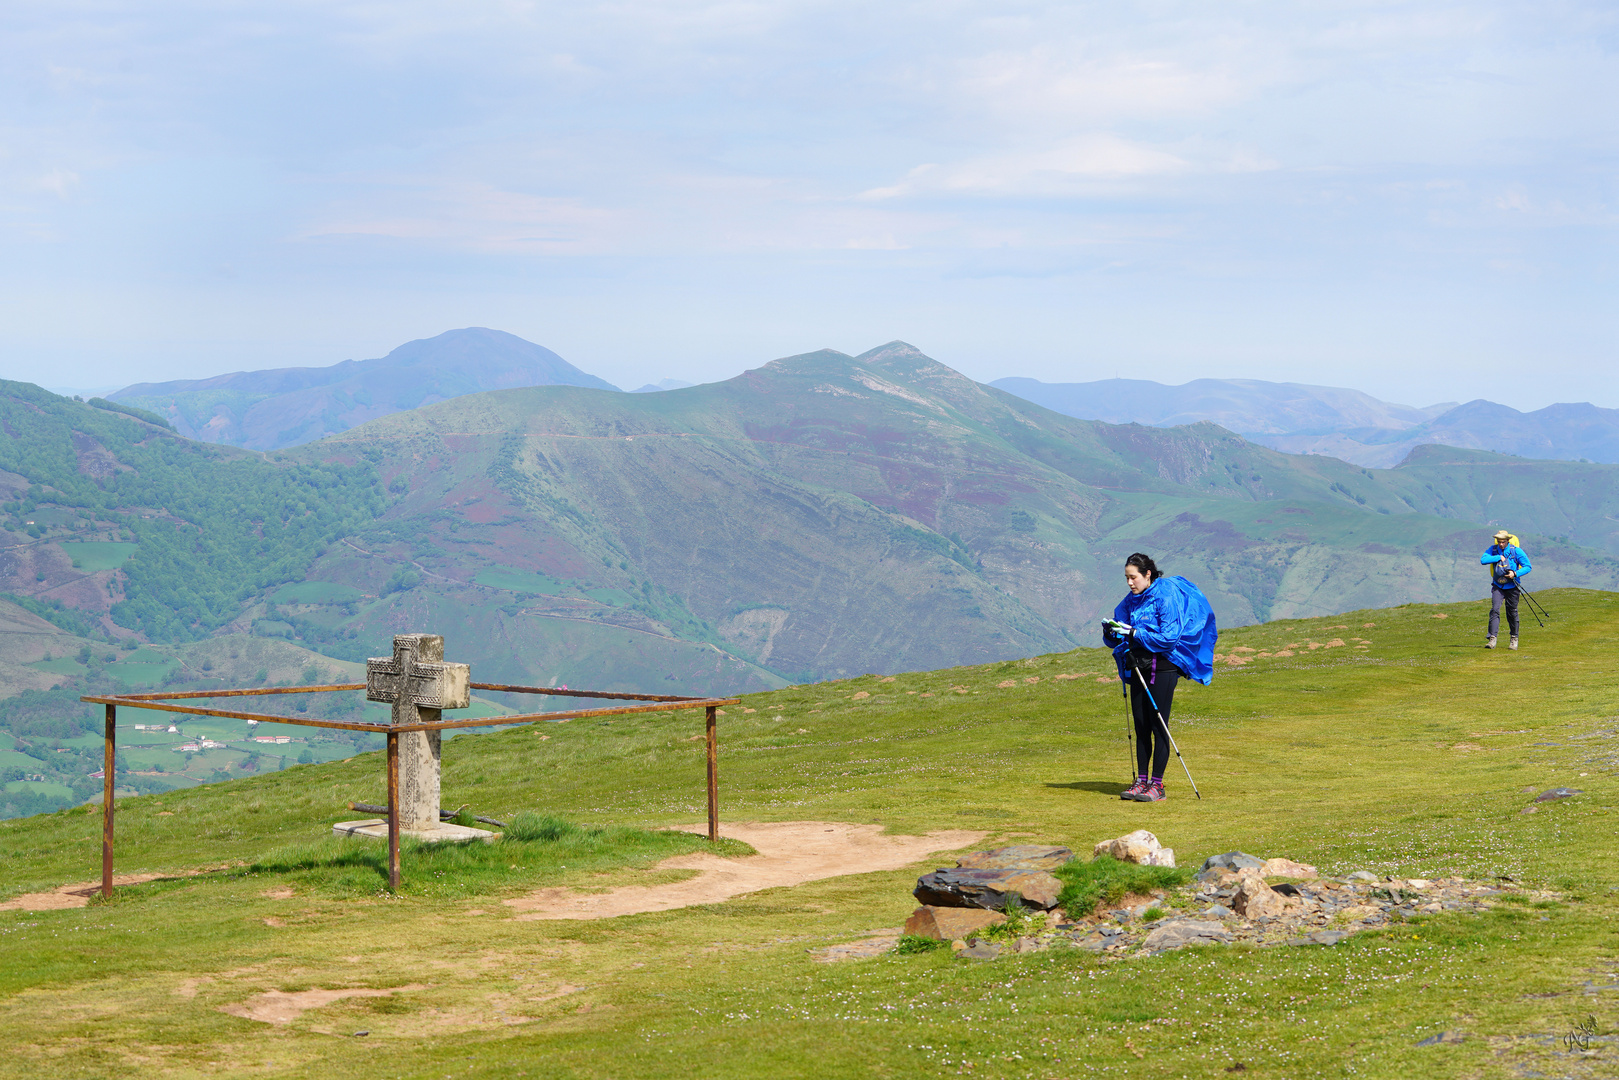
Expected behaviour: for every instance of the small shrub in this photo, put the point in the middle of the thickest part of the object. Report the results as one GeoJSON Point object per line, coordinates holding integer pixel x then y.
{"type": "Point", "coordinates": [912, 944]}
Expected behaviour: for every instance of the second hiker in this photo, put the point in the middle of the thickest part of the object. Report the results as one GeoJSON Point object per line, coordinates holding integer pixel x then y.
{"type": "Point", "coordinates": [1508, 565]}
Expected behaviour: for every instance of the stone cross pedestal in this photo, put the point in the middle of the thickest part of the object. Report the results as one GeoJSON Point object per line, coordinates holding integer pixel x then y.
{"type": "Point", "coordinates": [419, 684]}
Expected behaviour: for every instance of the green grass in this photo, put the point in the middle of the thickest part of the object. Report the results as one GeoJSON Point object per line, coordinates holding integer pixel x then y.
{"type": "Point", "coordinates": [93, 555]}
{"type": "Point", "coordinates": [534, 849]}
{"type": "Point", "coordinates": [1105, 880]}
{"type": "Point", "coordinates": [40, 787]}
{"type": "Point", "coordinates": [59, 665]}
{"type": "Point", "coordinates": [316, 592]}
{"type": "Point", "coordinates": [526, 581]}
{"type": "Point", "coordinates": [140, 674]}
{"type": "Point", "coordinates": [1413, 757]}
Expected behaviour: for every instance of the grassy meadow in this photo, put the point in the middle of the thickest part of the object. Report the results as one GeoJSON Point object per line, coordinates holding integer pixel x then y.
{"type": "Point", "coordinates": [1395, 744]}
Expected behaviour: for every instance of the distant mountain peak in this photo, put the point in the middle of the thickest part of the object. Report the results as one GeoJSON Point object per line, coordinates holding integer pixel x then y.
{"type": "Point", "coordinates": [282, 407]}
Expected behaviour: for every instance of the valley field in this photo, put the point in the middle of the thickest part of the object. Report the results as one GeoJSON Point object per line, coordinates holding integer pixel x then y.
{"type": "Point", "coordinates": [1381, 740]}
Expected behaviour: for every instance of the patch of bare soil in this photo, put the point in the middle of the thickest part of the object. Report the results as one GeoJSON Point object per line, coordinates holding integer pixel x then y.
{"type": "Point", "coordinates": [789, 853]}
{"type": "Point", "coordinates": [74, 896]}
{"type": "Point", "coordinates": [279, 1007]}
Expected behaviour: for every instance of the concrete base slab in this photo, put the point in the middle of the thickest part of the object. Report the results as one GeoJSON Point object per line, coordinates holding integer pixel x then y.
{"type": "Point", "coordinates": [377, 829]}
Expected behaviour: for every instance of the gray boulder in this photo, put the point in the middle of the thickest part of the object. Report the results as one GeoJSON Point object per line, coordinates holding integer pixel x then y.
{"type": "Point", "coordinates": [1233, 861]}
{"type": "Point", "coordinates": [1181, 932]}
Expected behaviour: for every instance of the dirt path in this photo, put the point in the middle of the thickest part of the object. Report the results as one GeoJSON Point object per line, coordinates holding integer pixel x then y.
{"type": "Point", "coordinates": [76, 895]}
{"type": "Point", "coordinates": [790, 852]}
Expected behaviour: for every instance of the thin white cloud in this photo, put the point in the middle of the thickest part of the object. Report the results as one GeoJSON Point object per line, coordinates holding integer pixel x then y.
{"type": "Point", "coordinates": [477, 217]}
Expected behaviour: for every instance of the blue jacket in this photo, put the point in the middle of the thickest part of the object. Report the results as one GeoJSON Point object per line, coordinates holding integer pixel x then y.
{"type": "Point", "coordinates": [1502, 557]}
{"type": "Point", "coordinates": [1171, 617]}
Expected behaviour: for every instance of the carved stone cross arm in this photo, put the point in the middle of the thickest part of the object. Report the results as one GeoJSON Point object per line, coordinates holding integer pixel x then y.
{"type": "Point", "coordinates": [416, 677]}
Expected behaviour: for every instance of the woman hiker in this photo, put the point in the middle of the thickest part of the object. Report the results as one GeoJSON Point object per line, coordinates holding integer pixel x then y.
{"type": "Point", "coordinates": [1161, 632]}
{"type": "Point", "coordinates": [1508, 564]}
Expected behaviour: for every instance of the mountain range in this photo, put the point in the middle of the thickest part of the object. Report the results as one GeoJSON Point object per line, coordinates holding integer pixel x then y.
{"type": "Point", "coordinates": [1347, 424]}
{"type": "Point", "coordinates": [818, 516]}
{"type": "Point", "coordinates": [269, 410]}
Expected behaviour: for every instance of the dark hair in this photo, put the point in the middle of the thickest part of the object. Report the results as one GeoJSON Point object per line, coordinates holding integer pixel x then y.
{"type": "Point", "coordinates": [1145, 564]}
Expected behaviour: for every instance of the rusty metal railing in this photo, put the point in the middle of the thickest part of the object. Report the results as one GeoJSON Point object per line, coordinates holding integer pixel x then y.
{"type": "Point", "coordinates": [161, 702]}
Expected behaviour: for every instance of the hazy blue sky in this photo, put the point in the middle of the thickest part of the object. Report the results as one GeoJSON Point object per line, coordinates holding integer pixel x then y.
{"type": "Point", "coordinates": [1415, 199]}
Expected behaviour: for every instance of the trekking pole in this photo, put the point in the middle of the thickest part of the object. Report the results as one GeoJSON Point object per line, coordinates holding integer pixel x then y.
{"type": "Point", "coordinates": [1533, 604]}
{"type": "Point", "coordinates": [1129, 722]}
{"type": "Point", "coordinates": [1167, 735]}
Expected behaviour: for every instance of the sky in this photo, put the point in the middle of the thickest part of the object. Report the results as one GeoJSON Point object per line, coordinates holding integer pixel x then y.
{"type": "Point", "coordinates": [1417, 200]}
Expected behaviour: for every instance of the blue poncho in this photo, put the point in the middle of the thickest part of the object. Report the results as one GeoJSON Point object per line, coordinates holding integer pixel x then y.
{"type": "Point", "coordinates": [1172, 617]}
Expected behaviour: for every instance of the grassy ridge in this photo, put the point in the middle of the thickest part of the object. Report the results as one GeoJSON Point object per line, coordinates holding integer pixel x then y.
{"type": "Point", "coordinates": [1415, 756]}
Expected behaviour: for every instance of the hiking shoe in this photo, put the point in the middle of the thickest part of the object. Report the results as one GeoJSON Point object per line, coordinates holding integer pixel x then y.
{"type": "Point", "coordinates": [1154, 793]}
{"type": "Point", "coordinates": [1513, 644]}
{"type": "Point", "coordinates": [1135, 790]}
{"type": "Point", "coordinates": [1489, 642]}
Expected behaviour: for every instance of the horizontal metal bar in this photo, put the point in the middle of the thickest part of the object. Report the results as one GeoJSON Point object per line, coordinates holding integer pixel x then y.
{"type": "Point", "coordinates": [265, 718]}
{"type": "Point", "coordinates": [471, 721]}
{"type": "Point", "coordinates": [241, 693]}
{"type": "Point", "coordinates": [529, 718]}
{"type": "Point", "coordinates": [578, 693]}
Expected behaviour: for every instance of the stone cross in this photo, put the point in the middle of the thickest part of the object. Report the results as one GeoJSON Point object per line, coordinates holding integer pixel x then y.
{"type": "Point", "coordinates": [417, 682]}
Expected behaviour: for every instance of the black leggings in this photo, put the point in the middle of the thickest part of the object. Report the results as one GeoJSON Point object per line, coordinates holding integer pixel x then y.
{"type": "Point", "coordinates": [1152, 742]}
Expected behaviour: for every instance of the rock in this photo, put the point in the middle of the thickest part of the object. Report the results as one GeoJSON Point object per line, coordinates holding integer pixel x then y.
{"type": "Point", "coordinates": [1557, 793]}
{"type": "Point", "coordinates": [1181, 932]}
{"type": "Point", "coordinates": [1017, 857]}
{"type": "Point", "coordinates": [1140, 847]}
{"type": "Point", "coordinates": [1444, 1037]}
{"type": "Point", "coordinates": [980, 950]}
{"type": "Point", "coordinates": [1219, 911]}
{"type": "Point", "coordinates": [1362, 875]}
{"type": "Point", "coordinates": [1255, 899]}
{"type": "Point", "coordinates": [1321, 937]}
{"type": "Point", "coordinates": [1216, 875]}
{"type": "Point", "coordinates": [1287, 868]}
{"type": "Point", "coordinates": [1233, 861]}
{"type": "Point", "coordinates": [950, 923]}
{"type": "Point", "coordinates": [987, 888]}
{"type": "Point", "coordinates": [854, 950]}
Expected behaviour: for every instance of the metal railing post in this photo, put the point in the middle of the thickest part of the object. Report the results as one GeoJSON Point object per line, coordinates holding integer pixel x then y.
{"type": "Point", "coordinates": [713, 773]}
{"type": "Point", "coordinates": [393, 811]}
{"type": "Point", "coordinates": [109, 784]}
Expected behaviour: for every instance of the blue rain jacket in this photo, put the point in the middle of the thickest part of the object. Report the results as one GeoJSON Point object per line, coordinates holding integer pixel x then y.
{"type": "Point", "coordinates": [1172, 617]}
{"type": "Point", "coordinates": [1512, 555]}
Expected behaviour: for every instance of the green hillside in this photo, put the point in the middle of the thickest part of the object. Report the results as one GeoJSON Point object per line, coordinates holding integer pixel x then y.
{"type": "Point", "coordinates": [1406, 750]}
{"type": "Point", "coordinates": [822, 515]}
{"type": "Point", "coordinates": [829, 515]}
